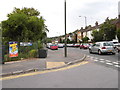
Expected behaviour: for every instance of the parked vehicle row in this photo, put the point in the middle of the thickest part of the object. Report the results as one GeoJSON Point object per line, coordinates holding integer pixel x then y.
{"type": "Point", "coordinates": [98, 47]}
{"type": "Point", "coordinates": [84, 46]}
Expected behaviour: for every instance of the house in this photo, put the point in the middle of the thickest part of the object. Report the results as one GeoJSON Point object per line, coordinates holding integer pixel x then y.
{"type": "Point", "coordinates": [87, 32]}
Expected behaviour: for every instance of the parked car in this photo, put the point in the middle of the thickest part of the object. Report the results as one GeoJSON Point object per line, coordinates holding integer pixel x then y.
{"type": "Point", "coordinates": [102, 47]}
{"type": "Point", "coordinates": [84, 46]}
{"type": "Point", "coordinates": [60, 45]}
{"type": "Point", "coordinates": [118, 48]}
{"type": "Point", "coordinates": [48, 45]}
{"type": "Point", "coordinates": [54, 47]}
{"type": "Point", "coordinates": [76, 45]}
{"type": "Point", "coordinates": [70, 45]}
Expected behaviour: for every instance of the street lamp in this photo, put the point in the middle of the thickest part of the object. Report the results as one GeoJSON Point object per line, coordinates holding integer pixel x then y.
{"type": "Point", "coordinates": [65, 30]}
{"type": "Point", "coordinates": [85, 20]}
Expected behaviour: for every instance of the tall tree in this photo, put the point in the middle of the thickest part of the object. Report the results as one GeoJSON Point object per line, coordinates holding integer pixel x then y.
{"type": "Point", "coordinates": [97, 35]}
{"type": "Point", "coordinates": [25, 10]}
{"type": "Point", "coordinates": [24, 25]}
{"type": "Point", "coordinates": [109, 30]}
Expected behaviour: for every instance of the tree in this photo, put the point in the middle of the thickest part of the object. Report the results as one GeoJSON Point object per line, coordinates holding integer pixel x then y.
{"type": "Point", "coordinates": [24, 25]}
{"type": "Point", "coordinates": [15, 27]}
{"type": "Point", "coordinates": [109, 30]}
{"type": "Point", "coordinates": [85, 39]}
{"type": "Point", "coordinates": [106, 32]}
{"type": "Point", "coordinates": [97, 35]}
{"type": "Point", "coordinates": [28, 11]}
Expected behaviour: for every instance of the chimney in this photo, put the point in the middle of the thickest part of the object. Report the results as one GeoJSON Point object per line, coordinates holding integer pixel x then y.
{"type": "Point", "coordinates": [81, 28]}
{"type": "Point", "coordinates": [96, 24]}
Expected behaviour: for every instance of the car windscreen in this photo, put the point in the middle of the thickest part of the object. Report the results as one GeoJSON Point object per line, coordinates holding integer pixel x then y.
{"type": "Point", "coordinates": [53, 45]}
{"type": "Point", "coordinates": [108, 44]}
{"type": "Point", "coordinates": [85, 44]}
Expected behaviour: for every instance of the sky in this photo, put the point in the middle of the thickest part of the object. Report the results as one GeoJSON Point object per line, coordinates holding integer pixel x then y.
{"type": "Point", "coordinates": [53, 12]}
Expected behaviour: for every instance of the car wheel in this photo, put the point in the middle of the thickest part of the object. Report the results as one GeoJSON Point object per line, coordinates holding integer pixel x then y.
{"type": "Point", "coordinates": [90, 51]}
{"type": "Point", "coordinates": [99, 52]}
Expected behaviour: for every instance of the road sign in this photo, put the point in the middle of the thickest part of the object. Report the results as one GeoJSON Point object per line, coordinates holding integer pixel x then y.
{"type": "Point", "coordinates": [25, 44]}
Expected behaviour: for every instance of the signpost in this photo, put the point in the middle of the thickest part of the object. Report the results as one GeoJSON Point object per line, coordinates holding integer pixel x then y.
{"type": "Point", "coordinates": [13, 49]}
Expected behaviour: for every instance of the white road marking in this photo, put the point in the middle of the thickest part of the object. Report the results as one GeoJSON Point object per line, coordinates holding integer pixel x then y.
{"type": "Point", "coordinates": [96, 60]}
{"type": "Point", "coordinates": [102, 61]}
{"type": "Point", "coordinates": [107, 60]}
{"type": "Point", "coordinates": [109, 63]}
{"type": "Point", "coordinates": [91, 57]}
{"type": "Point", "coordinates": [115, 62]}
{"type": "Point", "coordinates": [116, 65]}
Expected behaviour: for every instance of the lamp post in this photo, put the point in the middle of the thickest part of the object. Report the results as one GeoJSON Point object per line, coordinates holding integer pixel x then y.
{"type": "Point", "coordinates": [85, 20]}
{"type": "Point", "coordinates": [65, 30]}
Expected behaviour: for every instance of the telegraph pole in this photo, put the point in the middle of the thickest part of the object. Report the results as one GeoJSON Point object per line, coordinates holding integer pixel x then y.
{"type": "Point", "coordinates": [65, 31]}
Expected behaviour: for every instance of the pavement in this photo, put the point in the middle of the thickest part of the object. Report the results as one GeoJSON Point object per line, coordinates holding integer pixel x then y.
{"type": "Point", "coordinates": [55, 59]}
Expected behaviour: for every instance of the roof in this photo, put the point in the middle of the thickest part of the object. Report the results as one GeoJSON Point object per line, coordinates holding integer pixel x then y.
{"type": "Point", "coordinates": [90, 28]}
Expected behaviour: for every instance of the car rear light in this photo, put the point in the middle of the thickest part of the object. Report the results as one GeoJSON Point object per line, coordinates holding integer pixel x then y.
{"type": "Point", "coordinates": [103, 47]}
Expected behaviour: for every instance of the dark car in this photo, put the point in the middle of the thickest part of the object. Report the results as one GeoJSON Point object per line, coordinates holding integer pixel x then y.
{"type": "Point", "coordinates": [54, 47]}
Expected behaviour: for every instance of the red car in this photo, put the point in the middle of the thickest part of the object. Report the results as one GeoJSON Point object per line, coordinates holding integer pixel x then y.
{"type": "Point", "coordinates": [84, 46]}
{"type": "Point", "coordinates": [54, 47]}
{"type": "Point", "coordinates": [76, 45]}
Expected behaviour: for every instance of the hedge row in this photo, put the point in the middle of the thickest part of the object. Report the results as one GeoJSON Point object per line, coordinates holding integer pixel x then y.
{"type": "Point", "coordinates": [31, 54]}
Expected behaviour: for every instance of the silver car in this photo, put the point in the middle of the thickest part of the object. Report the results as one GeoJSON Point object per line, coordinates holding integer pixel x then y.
{"type": "Point", "coordinates": [102, 47]}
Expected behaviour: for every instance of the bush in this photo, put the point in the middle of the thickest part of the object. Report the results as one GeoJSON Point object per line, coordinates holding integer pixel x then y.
{"type": "Point", "coordinates": [33, 53]}
{"type": "Point", "coordinates": [7, 58]}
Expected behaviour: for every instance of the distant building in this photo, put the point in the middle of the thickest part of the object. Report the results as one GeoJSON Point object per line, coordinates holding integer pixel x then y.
{"type": "Point", "coordinates": [87, 32]}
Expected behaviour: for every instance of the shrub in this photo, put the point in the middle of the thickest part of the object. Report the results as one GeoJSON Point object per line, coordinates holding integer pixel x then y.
{"type": "Point", "coordinates": [33, 53]}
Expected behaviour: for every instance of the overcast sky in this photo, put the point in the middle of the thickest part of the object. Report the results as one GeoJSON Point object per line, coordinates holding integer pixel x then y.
{"type": "Point", "coordinates": [53, 12]}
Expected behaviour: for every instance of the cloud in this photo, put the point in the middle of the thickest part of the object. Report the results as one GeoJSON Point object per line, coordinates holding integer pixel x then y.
{"type": "Point", "coordinates": [53, 12]}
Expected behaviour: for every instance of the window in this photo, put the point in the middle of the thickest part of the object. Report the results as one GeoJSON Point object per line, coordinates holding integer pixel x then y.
{"type": "Point", "coordinates": [108, 44]}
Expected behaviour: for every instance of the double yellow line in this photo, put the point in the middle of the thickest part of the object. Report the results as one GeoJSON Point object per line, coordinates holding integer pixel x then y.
{"type": "Point", "coordinates": [42, 72]}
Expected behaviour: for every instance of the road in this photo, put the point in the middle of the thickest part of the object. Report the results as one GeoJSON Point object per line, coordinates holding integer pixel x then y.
{"type": "Point", "coordinates": [93, 73]}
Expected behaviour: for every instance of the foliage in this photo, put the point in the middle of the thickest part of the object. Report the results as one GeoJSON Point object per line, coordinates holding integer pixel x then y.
{"type": "Point", "coordinates": [14, 28]}
{"type": "Point", "coordinates": [118, 34]}
{"type": "Point", "coordinates": [85, 39]}
{"type": "Point", "coordinates": [97, 35]}
{"type": "Point", "coordinates": [28, 11]}
{"type": "Point", "coordinates": [106, 32]}
{"type": "Point", "coordinates": [33, 53]}
{"type": "Point", "coordinates": [24, 25]}
{"type": "Point", "coordinates": [109, 30]}
{"type": "Point", "coordinates": [49, 40]}
{"type": "Point", "coordinates": [40, 45]}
